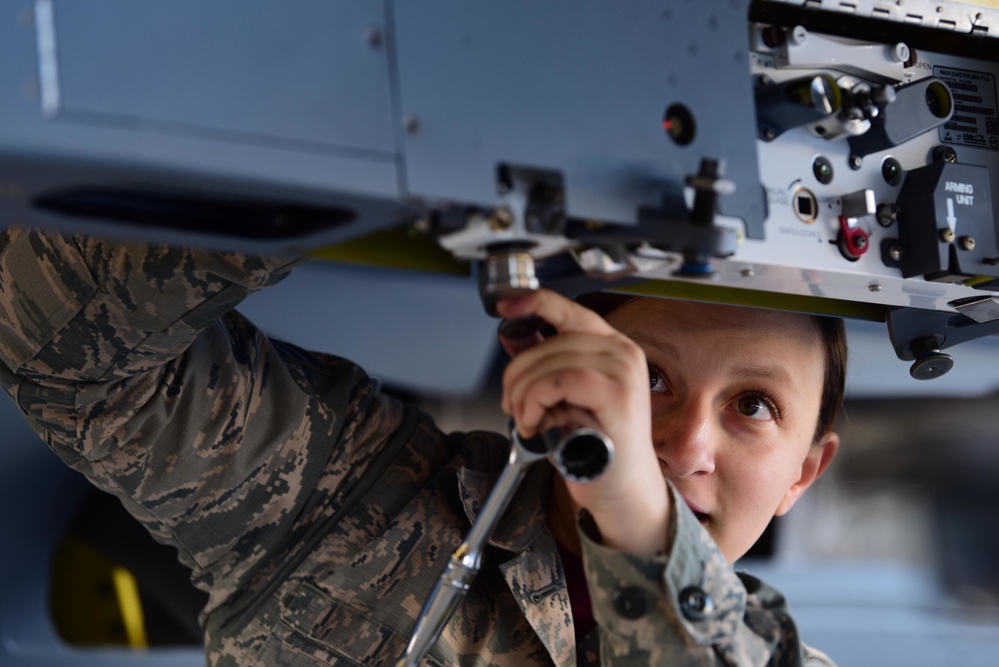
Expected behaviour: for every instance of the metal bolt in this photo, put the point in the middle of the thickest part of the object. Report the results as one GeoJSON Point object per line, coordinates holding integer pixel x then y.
{"type": "Point", "coordinates": [769, 135]}
{"type": "Point", "coordinates": [874, 287]}
{"type": "Point", "coordinates": [856, 162]}
{"type": "Point", "coordinates": [887, 214]}
{"type": "Point", "coordinates": [947, 235]}
{"type": "Point", "coordinates": [966, 242]}
{"type": "Point", "coordinates": [747, 273]}
{"type": "Point", "coordinates": [501, 218]}
{"type": "Point", "coordinates": [895, 253]}
{"type": "Point", "coordinates": [860, 242]}
{"type": "Point", "coordinates": [411, 123]}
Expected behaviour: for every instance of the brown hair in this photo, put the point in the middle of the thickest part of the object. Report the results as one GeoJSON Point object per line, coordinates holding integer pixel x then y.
{"type": "Point", "coordinates": [832, 333]}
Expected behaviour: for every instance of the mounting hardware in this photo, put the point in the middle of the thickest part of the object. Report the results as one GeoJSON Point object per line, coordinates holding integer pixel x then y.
{"type": "Point", "coordinates": [887, 214]}
{"type": "Point", "coordinates": [502, 218]}
{"type": "Point", "coordinates": [930, 362]}
{"type": "Point", "coordinates": [790, 104]}
{"type": "Point", "coordinates": [708, 184]}
{"type": "Point", "coordinates": [508, 270]}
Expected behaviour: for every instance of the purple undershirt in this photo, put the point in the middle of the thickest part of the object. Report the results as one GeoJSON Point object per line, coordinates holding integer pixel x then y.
{"type": "Point", "coordinates": [579, 593]}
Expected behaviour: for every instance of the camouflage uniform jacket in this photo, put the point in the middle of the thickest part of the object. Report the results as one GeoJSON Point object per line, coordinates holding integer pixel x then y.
{"type": "Point", "coordinates": [316, 511]}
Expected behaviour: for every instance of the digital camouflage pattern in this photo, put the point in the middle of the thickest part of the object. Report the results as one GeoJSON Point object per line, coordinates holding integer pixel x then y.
{"type": "Point", "coordinates": [316, 511]}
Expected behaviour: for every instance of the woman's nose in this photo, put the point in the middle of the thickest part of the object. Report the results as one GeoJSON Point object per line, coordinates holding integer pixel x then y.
{"type": "Point", "coordinates": [685, 440]}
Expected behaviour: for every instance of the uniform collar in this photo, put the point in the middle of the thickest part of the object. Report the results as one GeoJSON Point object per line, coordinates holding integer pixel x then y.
{"type": "Point", "coordinates": [525, 517]}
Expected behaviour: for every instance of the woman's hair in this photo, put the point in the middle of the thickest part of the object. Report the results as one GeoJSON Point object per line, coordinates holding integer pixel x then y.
{"type": "Point", "coordinates": [833, 334]}
{"type": "Point", "coordinates": [831, 331]}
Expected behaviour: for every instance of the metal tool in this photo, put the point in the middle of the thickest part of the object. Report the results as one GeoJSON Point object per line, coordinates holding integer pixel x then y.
{"type": "Point", "coordinates": [584, 455]}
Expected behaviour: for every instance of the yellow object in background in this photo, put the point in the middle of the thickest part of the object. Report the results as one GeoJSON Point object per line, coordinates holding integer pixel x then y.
{"type": "Point", "coordinates": [127, 591]}
{"type": "Point", "coordinates": [93, 601]}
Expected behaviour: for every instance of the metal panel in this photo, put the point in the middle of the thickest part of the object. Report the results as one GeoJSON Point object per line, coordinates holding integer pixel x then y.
{"type": "Point", "coordinates": [305, 70]}
{"type": "Point", "coordinates": [289, 104]}
{"type": "Point", "coordinates": [580, 90]}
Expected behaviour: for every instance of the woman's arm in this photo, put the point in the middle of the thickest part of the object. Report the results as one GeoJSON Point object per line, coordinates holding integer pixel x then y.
{"type": "Point", "coordinates": [130, 363]}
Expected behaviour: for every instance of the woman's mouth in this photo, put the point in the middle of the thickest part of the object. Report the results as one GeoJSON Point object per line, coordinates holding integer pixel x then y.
{"type": "Point", "coordinates": [698, 511]}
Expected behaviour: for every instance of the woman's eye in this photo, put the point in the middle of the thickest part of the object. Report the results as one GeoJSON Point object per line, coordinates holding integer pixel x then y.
{"type": "Point", "coordinates": [756, 407]}
{"type": "Point", "coordinates": [656, 383]}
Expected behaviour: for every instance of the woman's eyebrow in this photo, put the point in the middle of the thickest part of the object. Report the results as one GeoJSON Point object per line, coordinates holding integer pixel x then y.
{"type": "Point", "coordinates": [662, 348]}
{"type": "Point", "coordinates": [770, 374]}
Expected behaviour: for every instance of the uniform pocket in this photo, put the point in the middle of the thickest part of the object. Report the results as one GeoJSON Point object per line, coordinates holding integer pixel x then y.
{"type": "Point", "coordinates": [319, 630]}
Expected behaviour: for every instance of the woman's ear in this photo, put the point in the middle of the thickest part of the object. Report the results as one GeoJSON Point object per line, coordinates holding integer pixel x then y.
{"type": "Point", "coordinates": [820, 455]}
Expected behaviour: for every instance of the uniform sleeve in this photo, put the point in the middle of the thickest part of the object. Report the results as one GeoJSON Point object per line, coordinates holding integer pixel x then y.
{"type": "Point", "coordinates": [130, 363]}
{"type": "Point", "coordinates": [686, 606]}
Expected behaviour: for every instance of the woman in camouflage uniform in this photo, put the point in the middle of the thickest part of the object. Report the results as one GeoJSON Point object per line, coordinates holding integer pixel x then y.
{"type": "Point", "coordinates": [318, 512]}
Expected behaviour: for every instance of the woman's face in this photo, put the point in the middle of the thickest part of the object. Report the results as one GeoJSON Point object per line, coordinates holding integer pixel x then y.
{"type": "Point", "coordinates": [735, 401]}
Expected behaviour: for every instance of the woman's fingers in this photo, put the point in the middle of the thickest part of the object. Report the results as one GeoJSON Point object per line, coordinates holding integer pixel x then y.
{"type": "Point", "coordinates": [563, 314]}
{"type": "Point", "coordinates": [579, 371]}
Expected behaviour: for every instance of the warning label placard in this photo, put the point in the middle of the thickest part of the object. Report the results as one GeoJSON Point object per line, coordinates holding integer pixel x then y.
{"type": "Point", "coordinates": [975, 121]}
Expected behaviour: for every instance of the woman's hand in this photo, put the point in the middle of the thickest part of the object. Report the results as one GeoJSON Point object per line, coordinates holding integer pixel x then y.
{"type": "Point", "coordinates": [591, 367]}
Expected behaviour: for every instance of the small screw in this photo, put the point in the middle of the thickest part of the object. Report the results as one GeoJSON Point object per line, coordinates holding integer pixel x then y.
{"type": "Point", "coordinates": [874, 287]}
{"type": "Point", "coordinates": [887, 214]}
{"type": "Point", "coordinates": [747, 273]}
{"type": "Point", "coordinates": [501, 218]}
{"type": "Point", "coordinates": [799, 35]}
{"type": "Point", "coordinates": [895, 253]}
{"type": "Point", "coordinates": [856, 162]}
{"type": "Point", "coordinates": [374, 38]}
{"type": "Point", "coordinates": [769, 135]}
{"type": "Point", "coordinates": [860, 242]}
{"type": "Point", "coordinates": [422, 224]}
{"type": "Point", "coordinates": [411, 123]}
{"type": "Point", "coordinates": [966, 242]}
{"type": "Point", "coordinates": [947, 235]}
